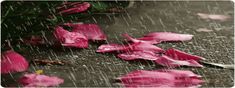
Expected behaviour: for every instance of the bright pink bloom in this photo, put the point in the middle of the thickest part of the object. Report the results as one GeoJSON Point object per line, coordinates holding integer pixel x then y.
{"type": "Point", "coordinates": [36, 80]}
{"type": "Point", "coordinates": [75, 7]}
{"type": "Point", "coordinates": [91, 31]}
{"type": "Point", "coordinates": [165, 36]}
{"type": "Point", "coordinates": [71, 39]}
{"type": "Point", "coordinates": [140, 46]}
{"type": "Point", "coordinates": [161, 78]}
{"type": "Point", "coordinates": [12, 62]}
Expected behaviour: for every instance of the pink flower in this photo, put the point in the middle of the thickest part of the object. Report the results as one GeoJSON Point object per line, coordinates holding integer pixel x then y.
{"type": "Point", "coordinates": [91, 31]}
{"type": "Point", "coordinates": [36, 80]}
{"type": "Point", "coordinates": [132, 47]}
{"type": "Point", "coordinates": [161, 78]}
{"type": "Point", "coordinates": [71, 8]}
{"type": "Point", "coordinates": [158, 37]}
{"type": "Point", "coordinates": [12, 62]}
{"type": "Point", "coordinates": [71, 39]}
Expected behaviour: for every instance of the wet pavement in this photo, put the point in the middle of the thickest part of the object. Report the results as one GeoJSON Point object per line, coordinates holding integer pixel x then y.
{"type": "Point", "coordinates": [90, 69]}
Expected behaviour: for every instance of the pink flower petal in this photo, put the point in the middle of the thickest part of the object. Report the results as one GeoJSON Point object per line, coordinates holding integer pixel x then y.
{"type": "Point", "coordinates": [74, 8]}
{"type": "Point", "coordinates": [70, 39]}
{"type": "Point", "coordinates": [167, 36]}
{"type": "Point", "coordinates": [140, 46]}
{"type": "Point", "coordinates": [163, 60]}
{"type": "Point", "coordinates": [161, 78]}
{"type": "Point", "coordinates": [180, 55]}
{"type": "Point", "coordinates": [12, 62]}
{"type": "Point", "coordinates": [145, 47]}
{"type": "Point", "coordinates": [149, 40]}
{"type": "Point", "coordinates": [214, 16]}
{"type": "Point", "coordinates": [147, 55]}
{"type": "Point", "coordinates": [91, 31]}
{"type": "Point", "coordinates": [111, 47]}
{"type": "Point", "coordinates": [171, 62]}
{"type": "Point", "coordinates": [35, 80]}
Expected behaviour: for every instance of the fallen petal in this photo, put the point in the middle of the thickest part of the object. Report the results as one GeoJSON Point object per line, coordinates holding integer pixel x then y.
{"type": "Point", "coordinates": [168, 36]}
{"type": "Point", "coordinates": [36, 80]}
{"type": "Point", "coordinates": [180, 55]}
{"type": "Point", "coordinates": [70, 39]}
{"type": "Point", "coordinates": [91, 31]}
{"type": "Point", "coordinates": [128, 48]}
{"type": "Point", "coordinates": [149, 40]}
{"type": "Point", "coordinates": [161, 78]}
{"type": "Point", "coordinates": [111, 47]}
{"type": "Point", "coordinates": [204, 30]}
{"type": "Point", "coordinates": [74, 8]}
{"type": "Point", "coordinates": [170, 62]}
{"type": "Point", "coordinates": [214, 16]}
{"type": "Point", "coordinates": [147, 55]}
{"type": "Point", "coordinates": [12, 62]}
{"type": "Point", "coordinates": [140, 46]}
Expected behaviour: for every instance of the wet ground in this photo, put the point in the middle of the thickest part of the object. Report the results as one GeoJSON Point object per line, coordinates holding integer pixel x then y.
{"type": "Point", "coordinates": [90, 69]}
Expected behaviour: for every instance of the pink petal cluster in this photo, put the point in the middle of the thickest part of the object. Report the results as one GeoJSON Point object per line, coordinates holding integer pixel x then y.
{"type": "Point", "coordinates": [91, 31]}
{"type": "Point", "coordinates": [36, 80]}
{"type": "Point", "coordinates": [73, 7]}
{"type": "Point", "coordinates": [142, 48]}
{"type": "Point", "coordinates": [214, 16]}
{"type": "Point", "coordinates": [71, 39]}
{"type": "Point", "coordinates": [161, 78]}
{"type": "Point", "coordinates": [12, 62]}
